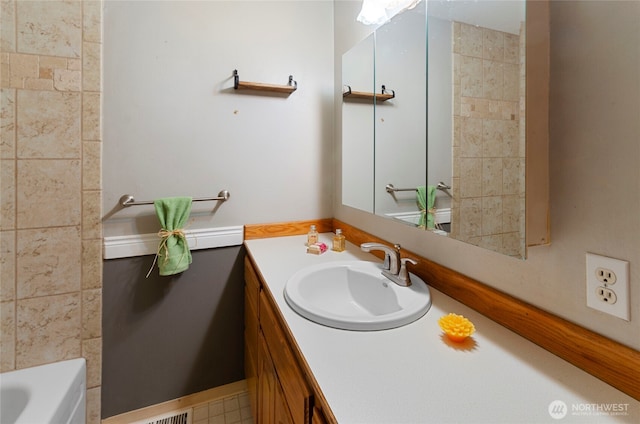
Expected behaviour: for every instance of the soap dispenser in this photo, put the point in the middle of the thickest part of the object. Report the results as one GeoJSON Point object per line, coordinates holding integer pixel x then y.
{"type": "Point", "coordinates": [338, 241]}
{"type": "Point", "coordinates": [312, 236]}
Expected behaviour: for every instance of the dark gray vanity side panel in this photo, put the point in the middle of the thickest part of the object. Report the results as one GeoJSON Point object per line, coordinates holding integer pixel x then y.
{"type": "Point", "coordinates": [167, 337]}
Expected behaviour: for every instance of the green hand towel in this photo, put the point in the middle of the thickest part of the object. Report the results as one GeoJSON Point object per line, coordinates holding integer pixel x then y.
{"type": "Point", "coordinates": [174, 255]}
{"type": "Point", "coordinates": [426, 198]}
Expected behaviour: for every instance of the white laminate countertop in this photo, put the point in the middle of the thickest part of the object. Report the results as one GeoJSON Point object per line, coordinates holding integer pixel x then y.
{"type": "Point", "coordinates": [412, 374]}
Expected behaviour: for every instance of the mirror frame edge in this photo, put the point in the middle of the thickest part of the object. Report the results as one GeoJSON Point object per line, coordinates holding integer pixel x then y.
{"type": "Point", "coordinates": [538, 219]}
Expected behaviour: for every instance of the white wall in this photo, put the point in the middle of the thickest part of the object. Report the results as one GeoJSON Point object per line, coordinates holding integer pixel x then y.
{"type": "Point", "coordinates": [595, 177]}
{"type": "Point", "coordinates": [174, 126]}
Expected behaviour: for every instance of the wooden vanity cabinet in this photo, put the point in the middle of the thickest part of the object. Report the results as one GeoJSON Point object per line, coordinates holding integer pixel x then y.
{"type": "Point", "coordinates": [279, 388]}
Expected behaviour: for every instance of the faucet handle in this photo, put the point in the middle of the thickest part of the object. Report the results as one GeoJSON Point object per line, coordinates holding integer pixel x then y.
{"type": "Point", "coordinates": [403, 274]}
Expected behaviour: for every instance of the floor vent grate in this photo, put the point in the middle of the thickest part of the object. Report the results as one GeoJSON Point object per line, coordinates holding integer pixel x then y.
{"type": "Point", "coordinates": [175, 417]}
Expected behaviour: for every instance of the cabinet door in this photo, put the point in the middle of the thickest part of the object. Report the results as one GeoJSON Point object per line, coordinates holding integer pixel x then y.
{"type": "Point", "coordinates": [266, 386]}
{"type": "Point", "coordinates": [297, 393]}
{"type": "Point", "coordinates": [318, 417]}
{"type": "Point", "coordinates": [281, 411]}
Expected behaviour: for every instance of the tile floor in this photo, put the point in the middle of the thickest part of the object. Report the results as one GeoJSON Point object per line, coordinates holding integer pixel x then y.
{"type": "Point", "coordinates": [229, 410]}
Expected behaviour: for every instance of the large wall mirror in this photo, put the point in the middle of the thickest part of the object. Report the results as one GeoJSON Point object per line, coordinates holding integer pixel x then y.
{"type": "Point", "coordinates": [446, 152]}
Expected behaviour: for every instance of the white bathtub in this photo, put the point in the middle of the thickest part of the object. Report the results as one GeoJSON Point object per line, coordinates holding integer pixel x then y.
{"type": "Point", "coordinates": [53, 393]}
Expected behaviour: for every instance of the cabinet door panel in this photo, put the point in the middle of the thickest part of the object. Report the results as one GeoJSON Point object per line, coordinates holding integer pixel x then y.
{"type": "Point", "coordinates": [291, 377]}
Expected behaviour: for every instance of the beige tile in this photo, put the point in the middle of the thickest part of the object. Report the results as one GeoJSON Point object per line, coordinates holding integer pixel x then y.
{"type": "Point", "coordinates": [91, 124]}
{"type": "Point", "coordinates": [457, 89]}
{"type": "Point", "coordinates": [48, 193]}
{"type": "Point", "coordinates": [493, 44]}
{"type": "Point", "coordinates": [38, 84]}
{"type": "Point", "coordinates": [455, 36]}
{"type": "Point", "coordinates": [7, 26]}
{"type": "Point", "coordinates": [92, 29]}
{"type": "Point", "coordinates": [8, 194]}
{"type": "Point", "coordinates": [455, 163]}
{"type": "Point", "coordinates": [470, 40]}
{"type": "Point", "coordinates": [511, 176]}
{"type": "Point", "coordinates": [511, 48]}
{"type": "Point", "coordinates": [67, 80]}
{"type": "Point", "coordinates": [91, 313]}
{"type": "Point", "coordinates": [457, 59]}
{"type": "Point", "coordinates": [91, 215]}
{"type": "Point", "coordinates": [511, 82]}
{"type": "Point", "coordinates": [510, 139]}
{"type": "Point", "coordinates": [49, 124]}
{"type": "Point", "coordinates": [201, 413]}
{"type": "Point", "coordinates": [92, 352]}
{"type": "Point", "coordinates": [50, 27]}
{"type": "Point", "coordinates": [471, 137]}
{"type": "Point", "coordinates": [48, 261]}
{"type": "Point", "coordinates": [7, 123]}
{"type": "Point", "coordinates": [93, 405]}
{"type": "Point", "coordinates": [23, 65]}
{"type": "Point", "coordinates": [91, 165]}
{"type": "Point", "coordinates": [492, 176]}
{"type": "Point", "coordinates": [470, 177]}
{"type": "Point", "coordinates": [511, 213]}
{"type": "Point", "coordinates": [457, 125]}
{"type": "Point", "coordinates": [470, 217]}
{"type": "Point", "coordinates": [493, 137]}
{"type": "Point", "coordinates": [52, 62]}
{"type": "Point", "coordinates": [48, 329]}
{"type": "Point", "coordinates": [91, 264]}
{"type": "Point", "coordinates": [471, 77]}
{"type": "Point", "coordinates": [7, 336]}
{"type": "Point", "coordinates": [7, 266]}
{"type": "Point", "coordinates": [74, 64]}
{"type": "Point", "coordinates": [491, 215]}
{"type": "Point", "coordinates": [492, 79]}
{"type": "Point", "coordinates": [491, 242]}
{"type": "Point", "coordinates": [216, 408]}
{"type": "Point", "coordinates": [91, 67]}
{"type": "Point", "coordinates": [5, 70]}
{"type": "Point", "coordinates": [513, 244]}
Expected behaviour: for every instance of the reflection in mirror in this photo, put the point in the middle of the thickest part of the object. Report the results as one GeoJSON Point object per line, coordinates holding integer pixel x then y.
{"type": "Point", "coordinates": [400, 125]}
{"type": "Point", "coordinates": [488, 139]}
{"type": "Point", "coordinates": [357, 127]}
{"type": "Point", "coordinates": [475, 123]}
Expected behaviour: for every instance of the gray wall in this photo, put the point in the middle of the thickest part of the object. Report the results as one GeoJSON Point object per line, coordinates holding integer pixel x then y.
{"type": "Point", "coordinates": [167, 337]}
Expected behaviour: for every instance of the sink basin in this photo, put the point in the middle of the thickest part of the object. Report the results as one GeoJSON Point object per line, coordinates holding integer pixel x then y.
{"type": "Point", "coordinates": [354, 295]}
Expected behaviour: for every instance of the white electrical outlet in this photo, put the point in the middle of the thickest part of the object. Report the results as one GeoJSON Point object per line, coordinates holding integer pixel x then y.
{"type": "Point", "coordinates": [608, 285]}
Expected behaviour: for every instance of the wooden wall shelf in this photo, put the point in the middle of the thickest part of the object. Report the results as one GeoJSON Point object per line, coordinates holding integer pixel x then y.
{"type": "Point", "coordinates": [288, 88]}
{"type": "Point", "coordinates": [363, 95]}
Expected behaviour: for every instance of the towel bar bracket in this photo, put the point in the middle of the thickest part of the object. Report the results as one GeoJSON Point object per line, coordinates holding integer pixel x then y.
{"type": "Point", "coordinates": [128, 200]}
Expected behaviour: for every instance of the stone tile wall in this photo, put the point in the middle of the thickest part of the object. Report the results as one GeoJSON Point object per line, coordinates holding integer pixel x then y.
{"type": "Point", "coordinates": [488, 145]}
{"type": "Point", "coordinates": [50, 215]}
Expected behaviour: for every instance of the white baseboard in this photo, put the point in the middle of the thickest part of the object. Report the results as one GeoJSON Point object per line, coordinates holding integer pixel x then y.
{"type": "Point", "coordinates": [147, 244]}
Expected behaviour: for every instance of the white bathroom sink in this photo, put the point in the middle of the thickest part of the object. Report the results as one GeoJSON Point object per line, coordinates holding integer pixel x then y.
{"type": "Point", "coordinates": [354, 295]}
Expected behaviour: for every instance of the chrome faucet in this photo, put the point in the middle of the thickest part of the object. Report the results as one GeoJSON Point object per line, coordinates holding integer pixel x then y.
{"type": "Point", "coordinates": [394, 267]}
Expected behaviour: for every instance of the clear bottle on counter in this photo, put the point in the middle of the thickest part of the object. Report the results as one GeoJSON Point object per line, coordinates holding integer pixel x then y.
{"type": "Point", "coordinates": [338, 241]}
{"type": "Point", "coordinates": [312, 236]}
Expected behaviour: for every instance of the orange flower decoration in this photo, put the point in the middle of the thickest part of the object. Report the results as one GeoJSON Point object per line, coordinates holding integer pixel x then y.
{"type": "Point", "coordinates": [456, 327]}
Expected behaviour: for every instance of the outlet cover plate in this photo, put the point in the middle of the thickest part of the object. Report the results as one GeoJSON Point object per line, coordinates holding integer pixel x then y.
{"type": "Point", "coordinates": [620, 287]}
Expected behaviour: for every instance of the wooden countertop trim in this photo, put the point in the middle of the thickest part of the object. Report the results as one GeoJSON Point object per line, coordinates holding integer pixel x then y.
{"type": "Point", "coordinates": [281, 229]}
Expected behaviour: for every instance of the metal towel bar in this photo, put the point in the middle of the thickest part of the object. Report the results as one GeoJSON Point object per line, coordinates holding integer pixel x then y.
{"type": "Point", "coordinates": [129, 200]}
{"type": "Point", "coordinates": [391, 189]}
